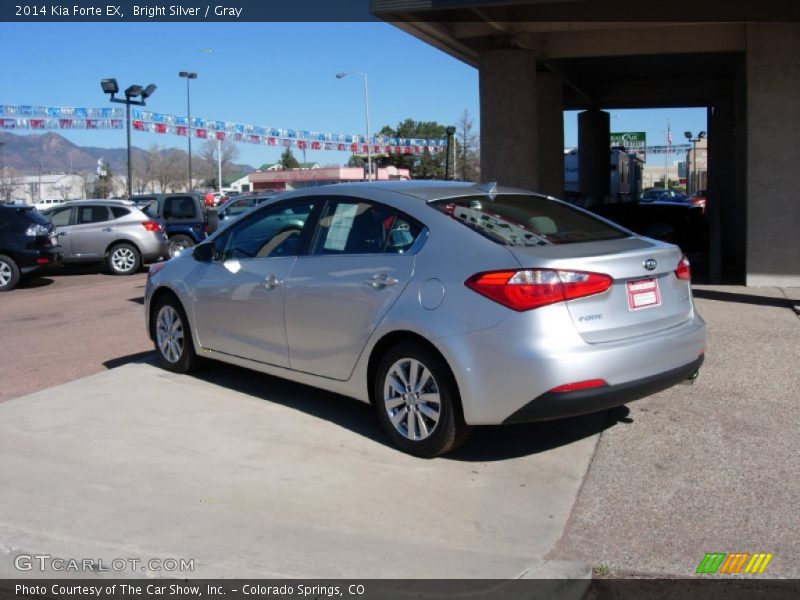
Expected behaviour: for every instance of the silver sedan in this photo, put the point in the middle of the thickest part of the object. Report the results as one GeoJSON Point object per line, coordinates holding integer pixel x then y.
{"type": "Point", "coordinates": [445, 305]}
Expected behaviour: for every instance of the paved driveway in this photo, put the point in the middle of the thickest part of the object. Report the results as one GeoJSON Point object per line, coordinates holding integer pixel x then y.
{"type": "Point", "coordinates": [252, 476]}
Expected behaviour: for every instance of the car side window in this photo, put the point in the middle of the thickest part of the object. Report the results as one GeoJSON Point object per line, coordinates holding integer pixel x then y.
{"type": "Point", "coordinates": [92, 214]}
{"type": "Point", "coordinates": [119, 212]}
{"type": "Point", "coordinates": [352, 226]}
{"type": "Point", "coordinates": [273, 231]}
{"type": "Point", "coordinates": [60, 216]}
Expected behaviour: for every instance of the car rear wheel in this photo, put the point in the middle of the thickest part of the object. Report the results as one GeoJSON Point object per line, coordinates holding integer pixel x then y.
{"type": "Point", "coordinates": [173, 339]}
{"type": "Point", "coordinates": [9, 273]}
{"type": "Point", "coordinates": [124, 259]}
{"type": "Point", "coordinates": [179, 243]}
{"type": "Point", "coordinates": [417, 401]}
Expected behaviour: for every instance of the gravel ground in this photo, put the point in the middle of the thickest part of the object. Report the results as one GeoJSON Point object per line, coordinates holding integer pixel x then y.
{"type": "Point", "coordinates": [711, 467]}
{"type": "Point", "coordinates": [68, 324]}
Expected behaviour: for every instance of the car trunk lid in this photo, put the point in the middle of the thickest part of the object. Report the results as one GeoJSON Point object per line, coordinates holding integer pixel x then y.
{"type": "Point", "coordinates": [645, 297]}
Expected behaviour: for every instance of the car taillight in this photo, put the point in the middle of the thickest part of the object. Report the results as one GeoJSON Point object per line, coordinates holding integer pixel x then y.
{"type": "Point", "coordinates": [532, 288]}
{"type": "Point", "coordinates": [152, 225]}
{"type": "Point", "coordinates": [683, 271]}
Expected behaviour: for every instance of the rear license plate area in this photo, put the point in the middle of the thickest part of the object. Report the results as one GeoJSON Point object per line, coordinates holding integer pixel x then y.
{"type": "Point", "coordinates": [643, 293]}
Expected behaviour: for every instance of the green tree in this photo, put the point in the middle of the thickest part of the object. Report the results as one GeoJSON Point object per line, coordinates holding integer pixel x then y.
{"type": "Point", "coordinates": [288, 161]}
{"type": "Point", "coordinates": [424, 165]}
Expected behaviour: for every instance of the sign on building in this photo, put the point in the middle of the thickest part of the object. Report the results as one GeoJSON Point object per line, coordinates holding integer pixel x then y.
{"type": "Point", "coordinates": [632, 141]}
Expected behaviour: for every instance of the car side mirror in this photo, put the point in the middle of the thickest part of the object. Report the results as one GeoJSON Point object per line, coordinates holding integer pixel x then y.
{"type": "Point", "coordinates": [203, 252]}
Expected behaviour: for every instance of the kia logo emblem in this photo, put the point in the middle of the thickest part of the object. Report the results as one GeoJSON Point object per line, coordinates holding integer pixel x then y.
{"type": "Point", "coordinates": [650, 264]}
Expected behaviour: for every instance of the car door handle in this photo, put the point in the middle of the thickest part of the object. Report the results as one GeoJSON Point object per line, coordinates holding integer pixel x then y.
{"type": "Point", "coordinates": [272, 282]}
{"type": "Point", "coordinates": [62, 233]}
{"type": "Point", "coordinates": [380, 280]}
{"type": "Point", "coordinates": [108, 229]}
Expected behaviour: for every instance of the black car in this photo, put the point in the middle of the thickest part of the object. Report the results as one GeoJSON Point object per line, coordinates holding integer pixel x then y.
{"type": "Point", "coordinates": [27, 243]}
{"type": "Point", "coordinates": [678, 223]}
{"type": "Point", "coordinates": [183, 216]}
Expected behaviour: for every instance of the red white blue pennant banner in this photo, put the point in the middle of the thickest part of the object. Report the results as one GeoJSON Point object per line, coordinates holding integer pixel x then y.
{"type": "Point", "coordinates": [41, 117]}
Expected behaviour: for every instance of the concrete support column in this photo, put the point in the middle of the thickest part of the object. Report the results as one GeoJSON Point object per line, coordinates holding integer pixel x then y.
{"type": "Point", "coordinates": [509, 118]}
{"type": "Point", "coordinates": [594, 177]}
{"type": "Point", "coordinates": [773, 136]}
{"type": "Point", "coordinates": [550, 134]}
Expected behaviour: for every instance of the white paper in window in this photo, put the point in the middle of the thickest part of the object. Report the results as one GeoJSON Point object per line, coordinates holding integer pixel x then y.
{"type": "Point", "coordinates": [341, 224]}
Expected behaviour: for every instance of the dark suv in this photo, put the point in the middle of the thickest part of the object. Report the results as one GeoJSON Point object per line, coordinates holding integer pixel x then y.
{"type": "Point", "coordinates": [183, 215]}
{"type": "Point", "coordinates": [27, 243]}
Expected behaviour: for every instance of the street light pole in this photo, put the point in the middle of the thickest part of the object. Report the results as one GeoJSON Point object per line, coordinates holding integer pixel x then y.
{"type": "Point", "coordinates": [188, 76]}
{"type": "Point", "coordinates": [111, 87]}
{"type": "Point", "coordinates": [449, 131]}
{"type": "Point", "coordinates": [366, 113]}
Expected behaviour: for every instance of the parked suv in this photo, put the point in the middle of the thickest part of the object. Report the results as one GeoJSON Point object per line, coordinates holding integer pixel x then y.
{"type": "Point", "coordinates": [183, 216]}
{"type": "Point", "coordinates": [27, 243]}
{"type": "Point", "coordinates": [116, 232]}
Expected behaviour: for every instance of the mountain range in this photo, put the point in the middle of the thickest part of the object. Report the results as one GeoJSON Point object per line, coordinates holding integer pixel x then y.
{"type": "Point", "coordinates": [56, 154]}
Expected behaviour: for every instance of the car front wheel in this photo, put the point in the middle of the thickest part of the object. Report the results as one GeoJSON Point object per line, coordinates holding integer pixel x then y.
{"type": "Point", "coordinates": [9, 273]}
{"type": "Point", "coordinates": [417, 401]}
{"type": "Point", "coordinates": [124, 259]}
{"type": "Point", "coordinates": [173, 339]}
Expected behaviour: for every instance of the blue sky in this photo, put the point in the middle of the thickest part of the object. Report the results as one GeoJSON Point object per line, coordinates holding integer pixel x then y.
{"type": "Point", "coordinates": [269, 74]}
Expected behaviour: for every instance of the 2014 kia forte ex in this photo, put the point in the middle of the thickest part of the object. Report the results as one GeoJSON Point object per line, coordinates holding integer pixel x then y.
{"type": "Point", "coordinates": [445, 305]}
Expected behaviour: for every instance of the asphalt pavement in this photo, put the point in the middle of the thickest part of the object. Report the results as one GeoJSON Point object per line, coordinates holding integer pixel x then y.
{"type": "Point", "coordinates": [711, 467]}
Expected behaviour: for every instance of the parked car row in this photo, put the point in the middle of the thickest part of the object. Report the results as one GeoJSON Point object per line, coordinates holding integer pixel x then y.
{"type": "Point", "coordinates": [123, 235]}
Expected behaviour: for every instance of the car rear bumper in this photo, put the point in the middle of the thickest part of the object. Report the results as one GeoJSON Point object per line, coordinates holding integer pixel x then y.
{"type": "Point", "coordinates": [501, 369]}
{"type": "Point", "coordinates": [557, 405]}
{"type": "Point", "coordinates": [30, 261]}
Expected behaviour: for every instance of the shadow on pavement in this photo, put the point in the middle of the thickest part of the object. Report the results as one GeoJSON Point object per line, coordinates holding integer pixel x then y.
{"type": "Point", "coordinates": [145, 357]}
{"type": "Point", "coordinates": [34, 282]}
{"type": "Point", "coordinates": [741, 298]}
{"type": "Point", "coordinates": [487, 443]}
{"type": "Point", "coordinates": [138, 300]}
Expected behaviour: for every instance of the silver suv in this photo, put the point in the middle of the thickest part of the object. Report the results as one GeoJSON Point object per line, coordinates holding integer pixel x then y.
{"type": "Point", "coordinates": [115, 232]}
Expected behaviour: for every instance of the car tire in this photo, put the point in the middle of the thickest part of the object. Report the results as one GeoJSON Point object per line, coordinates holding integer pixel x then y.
{"type": "Point", "coordinates": [178, 243]}
{"type": "Point", "coordinates": [124, 259]}
{"type": "Point", "coordinates": [417, 401]}
{"type": "Point", "coordinates": [172, 336]}
{"type": "Point", "coordinates": [9, 273]}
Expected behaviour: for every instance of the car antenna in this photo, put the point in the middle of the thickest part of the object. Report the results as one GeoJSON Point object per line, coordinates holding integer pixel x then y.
{"type": "Point", "coordinates": [489, 188]}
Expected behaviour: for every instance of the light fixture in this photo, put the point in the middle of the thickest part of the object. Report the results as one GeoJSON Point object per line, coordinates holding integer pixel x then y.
{"type": "Point", "coordinates": [109, 86]}
{"type": "Point", "coordinates": [133, 91]}
{"type": "Point", "coordinates": [148, 91]}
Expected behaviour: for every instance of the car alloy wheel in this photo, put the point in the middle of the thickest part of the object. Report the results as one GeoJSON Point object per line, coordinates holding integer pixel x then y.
{"type": "Point", "coordinates": [417, 401]}
{"type": "Point", "coordinates": [9, 274]}
{"type": "Point", "coordinates": [5, 274]}
{"type": "Point", "coordinates": [123, 259]}
{"type": "Point", "coordinates": [170, 337]}
{"type": "Point", "coordinates": [411, 399]}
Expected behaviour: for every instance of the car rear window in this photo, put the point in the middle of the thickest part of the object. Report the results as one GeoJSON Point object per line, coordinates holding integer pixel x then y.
{"type": "Point", "coordinates": [119, 211]}
{"type": "Point", "coordinates": [523, 220]}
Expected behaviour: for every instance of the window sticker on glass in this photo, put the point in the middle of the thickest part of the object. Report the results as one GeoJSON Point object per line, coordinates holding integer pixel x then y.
{"type": "Point", "coordinates": [341, 224]}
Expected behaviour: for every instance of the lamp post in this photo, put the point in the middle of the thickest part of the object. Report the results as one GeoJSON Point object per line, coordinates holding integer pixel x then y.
{"type": "Point", "coordinates": [111, 87]}
{"type": "Point", "coordinates": [450, 131]}
{"type": "Point", "coordinates": [366, 112]}
{"type": "Point", "coordinates": [692, 187]}
{"type": "Point", "coordinates": [189, 76]}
